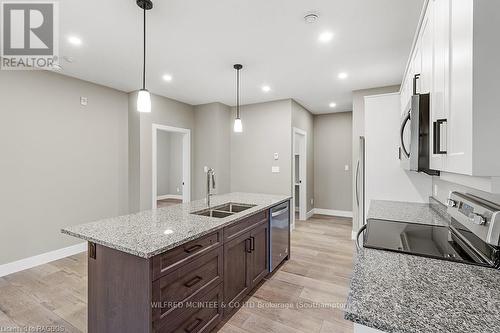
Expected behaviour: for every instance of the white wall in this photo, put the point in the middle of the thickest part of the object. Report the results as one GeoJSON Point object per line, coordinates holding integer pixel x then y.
{"type": "Point", "coordinates": [266, 130]}
{"type": "Point", "coordinates": [62, 163]}
{"type": "Point", "coordinates": [384, 177]}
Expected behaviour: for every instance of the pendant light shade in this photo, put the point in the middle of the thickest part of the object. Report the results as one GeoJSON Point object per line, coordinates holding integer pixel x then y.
{"type": "Point", "coordinates": [238, 125]}
{"type": "Point", "coordinates": [144, 97]}
{"type": "Point", "coordinates": [144, 101]}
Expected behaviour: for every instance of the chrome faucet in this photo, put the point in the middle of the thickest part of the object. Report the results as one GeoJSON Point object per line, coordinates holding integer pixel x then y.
{"type": "Point", "coordinates": [210, 174]}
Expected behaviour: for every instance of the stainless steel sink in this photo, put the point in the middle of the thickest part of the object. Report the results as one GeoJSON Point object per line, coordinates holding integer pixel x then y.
{"type": "Point", "coordinates": [224, 210]}
{"type": "Point", "coordinates": [234, 207]}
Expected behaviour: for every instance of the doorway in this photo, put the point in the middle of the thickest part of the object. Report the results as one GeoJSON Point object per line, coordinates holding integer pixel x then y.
{"type": "Point", "coordinates": [171, 174]}
{"type": "Point", "coordinates": [299, 172]}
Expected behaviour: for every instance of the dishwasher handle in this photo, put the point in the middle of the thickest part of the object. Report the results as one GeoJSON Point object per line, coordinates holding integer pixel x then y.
{"type": "Point", "coordinates": [279, 212]}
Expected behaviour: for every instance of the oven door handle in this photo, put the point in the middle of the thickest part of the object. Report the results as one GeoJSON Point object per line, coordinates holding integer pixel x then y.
{"type": "Point", "coordinates": [401, 134]}
{"type": "Point", "coordinates": [360, 231]}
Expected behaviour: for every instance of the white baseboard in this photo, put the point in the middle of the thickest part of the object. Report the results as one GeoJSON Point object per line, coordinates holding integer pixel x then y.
{"type": "Point", "coordinates": [26, 263]}
{"type": "Point", "coordinates": [332, 212]}
{"type": "Point", "coordinates": [169, 196]}
{"type": "Point", "coordinates": [309, 214]}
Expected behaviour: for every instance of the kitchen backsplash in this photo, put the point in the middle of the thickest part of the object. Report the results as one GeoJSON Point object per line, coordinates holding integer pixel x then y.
{"type": "Point", "coordinates": [444, 188]}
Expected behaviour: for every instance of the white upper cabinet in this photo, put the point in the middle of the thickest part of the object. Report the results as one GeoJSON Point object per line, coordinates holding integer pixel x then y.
{"type": "Point", "coordinates": [458, 59]}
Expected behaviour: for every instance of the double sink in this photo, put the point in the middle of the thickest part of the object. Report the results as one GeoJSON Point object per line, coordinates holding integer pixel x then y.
{"type": "Point", "coordinates": [224, 210]}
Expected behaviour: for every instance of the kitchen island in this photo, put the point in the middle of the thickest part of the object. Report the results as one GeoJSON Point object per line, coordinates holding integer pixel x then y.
{"type": "Point", "coordinates": [401, 293]}
{"type": "Point", "coordinates": [169, 270]}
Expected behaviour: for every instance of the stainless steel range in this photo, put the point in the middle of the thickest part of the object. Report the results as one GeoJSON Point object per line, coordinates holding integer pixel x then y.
{"type": "Point", "coordinates": [472, 237]}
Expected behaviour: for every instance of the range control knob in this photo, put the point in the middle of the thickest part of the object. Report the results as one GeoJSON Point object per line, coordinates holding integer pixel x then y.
{"type": "Point", "coordinates": [452, 203]}
{"type": "Point", "coordinates": [477, 219]}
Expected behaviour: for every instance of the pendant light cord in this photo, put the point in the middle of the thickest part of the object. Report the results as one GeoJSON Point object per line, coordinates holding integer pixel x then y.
{"type": "Point", "coordinates": [144, 53]}
{"type": "Point", "coordinates": [238, 94]}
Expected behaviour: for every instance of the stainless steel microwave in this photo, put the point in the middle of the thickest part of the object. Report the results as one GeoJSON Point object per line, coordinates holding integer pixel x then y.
{"type": "Point", "coordinates": [415, 149]}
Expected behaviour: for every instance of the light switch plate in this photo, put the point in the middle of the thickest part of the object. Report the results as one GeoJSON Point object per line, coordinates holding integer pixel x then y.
{"type": "Point", "coordinates": [346, 167]}
{"type": "Point", "coordinates": [205, 169]}
{"type": "Point", "coordinates": [84, 101]}
{"type": "Point", "coordinates": [275, 169]}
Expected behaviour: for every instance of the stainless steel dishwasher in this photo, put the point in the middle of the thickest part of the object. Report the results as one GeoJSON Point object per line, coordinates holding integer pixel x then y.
{"type": "Point", "coordinates": [279, 238]}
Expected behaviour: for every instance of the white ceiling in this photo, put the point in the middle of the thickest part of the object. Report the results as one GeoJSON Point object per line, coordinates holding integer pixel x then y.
{"type": "Point", "coordinates": [198, 41]}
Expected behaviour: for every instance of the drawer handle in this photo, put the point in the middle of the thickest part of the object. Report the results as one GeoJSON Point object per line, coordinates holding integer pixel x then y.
{"type": "Point", "coordinates": [252, 243]}
{"type": "Point", "coordinates": [193, 281]}
{"type": "Point", "coordinates": [193, 248]}
{"type": "Point", "coordinates": [193, 325]}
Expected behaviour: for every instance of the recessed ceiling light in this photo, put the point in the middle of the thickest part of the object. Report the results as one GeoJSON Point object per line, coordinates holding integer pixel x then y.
{"type": "Point", "coordinates": [168, 232]}
{"type": "Point", "coordinates": [266, 88]}
{"type": "Point", "coordinates": [75, 40]}
{"type": "Point", "coordinates": [325, 37]}
{"type": "Point", "coordinates": [332, 105]}
{"type": "Point", "coordinates": [167, 77]}
{"type": "Point", "coordinates": [311, 18]}
{"type": "Point", "coordinates": [343, 75]}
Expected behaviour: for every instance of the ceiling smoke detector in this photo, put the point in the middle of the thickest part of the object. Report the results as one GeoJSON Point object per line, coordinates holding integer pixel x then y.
{"type": "Point", "coordinates": [311, 18]}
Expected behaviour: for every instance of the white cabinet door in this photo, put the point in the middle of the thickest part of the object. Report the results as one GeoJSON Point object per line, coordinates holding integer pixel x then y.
{"type": "Point", "coordinates": [460, 122]}
{"type": "Point", "coordinates": [427, 50]}
{"type": "Point", "coordinates": [440, 93]}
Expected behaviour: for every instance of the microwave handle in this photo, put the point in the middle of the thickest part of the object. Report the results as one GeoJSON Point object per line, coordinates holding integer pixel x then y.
{"type": "Point", "coordinates": [401, 135]}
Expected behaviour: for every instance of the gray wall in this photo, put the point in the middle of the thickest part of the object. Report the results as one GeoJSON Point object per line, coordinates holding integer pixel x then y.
{"type": "Point", "coordinates": [304, 120]}
{"type": "Point", "coordinates": [266, 130]}
{"type": "Point", "coordinates": [358, 129]}
{"type": "Point", "coordinates": [164, 111]}
{"type": "Point", "coordinates": [212, 123]}
{"type": "Point", "coordinates": [62, 163]}
{"type": "Point", "coordinates": [169, 167]}
{"type": "Point", "coordinates": [332, 151]}
{"type": "Point", "coordinates": [444, 188]}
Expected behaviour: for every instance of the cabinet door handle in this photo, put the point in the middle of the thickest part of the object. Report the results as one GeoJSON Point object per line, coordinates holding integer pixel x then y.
{"type": "Point", "coordinates": [191, 327]}
{"type": "Point", "coordinates": [401, 134]}
{"type": "Point", "coordinates": [437, 136]}
{"type": "Point", "coordinates": [193, 281]}
{"type": "Point", "coordinates": [248, 245]}
{"type": "Point", "coordinates": [193, 248]}
{"type": "Point", "coordinates": [252, 243]}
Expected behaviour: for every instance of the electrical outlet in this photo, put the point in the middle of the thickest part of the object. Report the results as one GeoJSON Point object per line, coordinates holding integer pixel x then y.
{"type": "Point", "coordinates": [275, 169]}
{"type": "Point", "coordinates": [84, 101]}
{"type": "Point", "coordinates": [178, 190]}
{"type": "Point", "coordinates": [276, 156]}
{"type": "Point", "coordinates": [312, 201]}
{"type": "Point", "coordinates": [435, 190]}
{"type": "Point", "coordinates": [205, 169]}
{"type": "Point", "coordinates": [346, 167]}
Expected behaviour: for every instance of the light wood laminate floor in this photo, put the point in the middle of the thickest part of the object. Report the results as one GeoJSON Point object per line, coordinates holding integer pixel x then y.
{"type": "Point", "coordinates": [303, 296]}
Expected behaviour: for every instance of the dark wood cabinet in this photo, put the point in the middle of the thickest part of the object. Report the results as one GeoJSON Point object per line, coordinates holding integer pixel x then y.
{"type": "Point", "coordinates": [259, 261]}
{"type": "Point", "coordinates": [237, 258]}
{"type": "Point", "coordinates": [246, 263]}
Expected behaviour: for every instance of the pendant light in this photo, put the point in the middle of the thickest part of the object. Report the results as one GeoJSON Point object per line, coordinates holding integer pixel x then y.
{"type": "Point", "coordinates": [238, 126]}
{"type": "Point", "coordinates": [144, 97]}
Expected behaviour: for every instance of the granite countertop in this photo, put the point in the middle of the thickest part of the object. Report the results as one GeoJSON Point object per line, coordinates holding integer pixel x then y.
{"type": "Point", "coordinates": [148, 233]}
{"type": "Point", "coordinates": [402, 293]}
{"type": "Point", "coordinates": [433, 213]}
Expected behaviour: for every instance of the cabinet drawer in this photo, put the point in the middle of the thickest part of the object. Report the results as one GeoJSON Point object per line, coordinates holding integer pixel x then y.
{"type": "Point", "coordinates": [169, 261]}
{"type": "Point", "coordinates": [244, 225]}
{"type": "Point", "coordinates": [186, 283]}
{"type": "Point", "coordinates": [199, 316]}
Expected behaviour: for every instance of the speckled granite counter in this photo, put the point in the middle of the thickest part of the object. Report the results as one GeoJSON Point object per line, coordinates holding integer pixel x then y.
{"type": "Point", "coordinates": [402, 293]}
{"type": "Point", "coordinates": [148, 233]}
{"type": "Point", "coordinates": [423, 213]}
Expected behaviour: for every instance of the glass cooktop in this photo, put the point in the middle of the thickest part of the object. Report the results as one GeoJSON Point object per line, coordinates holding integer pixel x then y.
{"type": "Point", "coordinates": [440, 242]}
